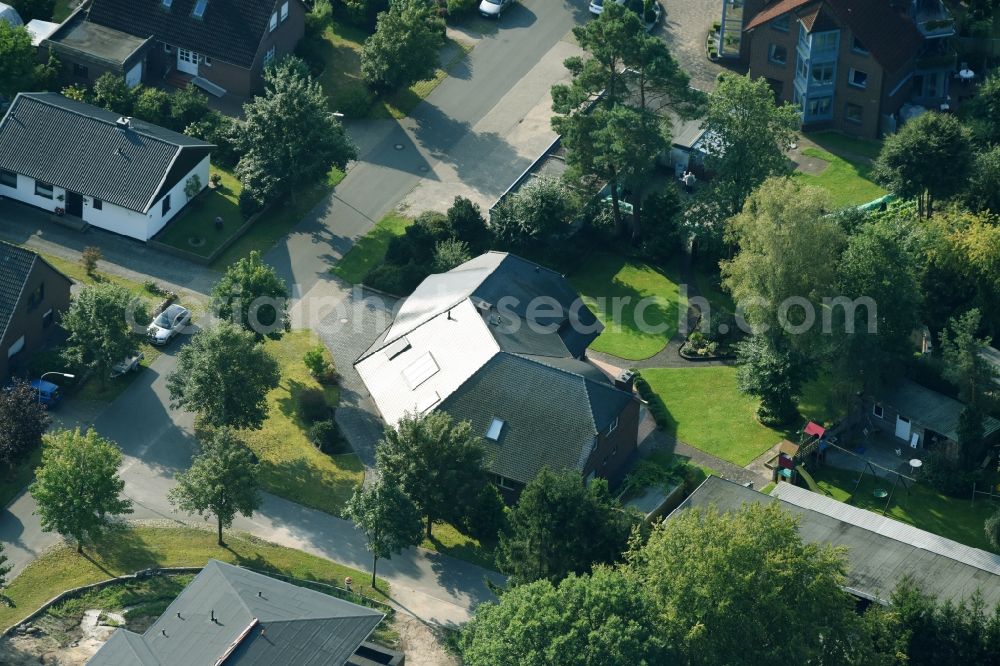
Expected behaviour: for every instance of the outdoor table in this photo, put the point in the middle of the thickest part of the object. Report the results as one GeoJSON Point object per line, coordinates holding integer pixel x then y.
{"type": "Point", "coordinates": [966, 74]}
{"type": "Point", "coordinates": [881, 493]}
{"type": "Point", "coordinates": [916, 464]}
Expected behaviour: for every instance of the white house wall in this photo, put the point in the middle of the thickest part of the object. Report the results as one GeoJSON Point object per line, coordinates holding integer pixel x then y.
{"type": "Point", "coordinates": [111, 217]}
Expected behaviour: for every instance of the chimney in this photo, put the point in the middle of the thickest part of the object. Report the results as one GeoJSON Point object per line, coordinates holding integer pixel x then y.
{"type": "Point", "coordinates": [625, 381]}
{"type": "Point", "coordinates": [123, 123]}
{"type": "Point", "coordinates": [164, 632]}
{"type": "Point", "coordinates": [179, 615]}
{"type": "Point", "coordinates": [260, 594]}
{"type": "Point", "coordinates": [211, 616]}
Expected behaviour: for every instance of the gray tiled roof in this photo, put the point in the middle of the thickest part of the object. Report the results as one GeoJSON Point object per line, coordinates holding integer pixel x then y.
{"type": "Point", "coordinates": [78, 146]}
{"type": "Point", "coordinates": [551, 414]}
{"type": "Point", "coordinates": [258, 620]}
{"type": "Point", "coordinates": [231, 30]}
{"type": "Point", "coordinates": [15, 267]}
{"type": "Point", "coordinates": [880, 550]}
{"type": "Point", "coordinates": [932, 409]}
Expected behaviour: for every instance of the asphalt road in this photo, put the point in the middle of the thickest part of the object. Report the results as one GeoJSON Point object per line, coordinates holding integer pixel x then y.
{"type": "Point", "coordinates": [394, 156]}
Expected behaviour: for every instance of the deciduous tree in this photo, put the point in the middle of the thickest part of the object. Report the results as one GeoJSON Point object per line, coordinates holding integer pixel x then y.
{"type": "Point", "coordinates": [929, 158]}
{"type": "Point", "coordinates": [224, 376]}
{"type": "Point", "coordinates": [101, 322]}
{"type": "Point", "coordinates": [541, 209]}
{"type": "Point", "coordinates": [111, 93]}
{"type": "Point", "coordinates": [468, 224]}
{"type": "Point", "coordinates": [388, 517]}
{"type": "Point", "coordinates": [17, 59]}
{"type": "Point", "coordinates": [771, 371]}
{"type": "Point", "coordinates": [602, 618]}
{"type": "Point", "coordinates": [749, 137]}
{"type": "Point", "coordinates": [222, 481]}
{"type": "Point", "coordinates": [965, 367]}
{"type": "Point", "coordinates": [77, 486]}
{"type": "Point", "coordinates": [23, 421]}
{"type": "Point", "coordinates": [405, 46]}
{"type": "Point", "coordinates": [439, 464]}
{"type": "Point", "coordinates": [561, 526]}
{"type": "Point", "coordinates": [250, 294]}
{"type": "Point", "coordinates": [289, 137]}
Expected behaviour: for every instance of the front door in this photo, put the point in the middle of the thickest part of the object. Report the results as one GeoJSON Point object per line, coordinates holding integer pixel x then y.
{"type": "Point", "coordinates": [187, 61]}
{"type": "Point", "coordinates": [902, 428]}
{"type": "Point", "coordinates": [74, 204]}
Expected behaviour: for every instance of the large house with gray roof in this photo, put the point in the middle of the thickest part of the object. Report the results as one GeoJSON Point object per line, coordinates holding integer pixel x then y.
{"type": "Point", "coordinates": [231, 615]}
{"type": "Point", "coordinates": [32, 295]}
{"type": "Point", "coordinates": [115, 173]}
{"type": "Point", "coordinates": [880, 550]}
{"type": "Point", "coordinates": [501, 342]}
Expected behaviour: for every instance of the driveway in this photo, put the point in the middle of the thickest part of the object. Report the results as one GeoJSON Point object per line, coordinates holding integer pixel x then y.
{"type": "Point", "coordinates": [685, 29]}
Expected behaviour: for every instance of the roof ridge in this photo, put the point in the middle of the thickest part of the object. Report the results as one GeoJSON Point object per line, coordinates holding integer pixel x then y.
{"type": "Point", "coordinates": [222, 572]}
{"type": "Point", "coordinates": [20, 292]}
{"type": "Point", "coordinates": [43, 98]}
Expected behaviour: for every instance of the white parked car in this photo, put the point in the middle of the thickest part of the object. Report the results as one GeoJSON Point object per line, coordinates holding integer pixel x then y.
{"type": "Point", "coordinates": [126, 365]}
{"type": "Point", "coordinates": [167, 324]}
{"type": "Point", "coordinates": [494, 8]}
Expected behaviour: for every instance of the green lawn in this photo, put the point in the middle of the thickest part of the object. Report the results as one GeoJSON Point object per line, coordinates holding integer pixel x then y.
{"type": "Point", "coordinates": [290, 465]}
{"type": "Point", "coordinates": [924, 507]}
{"type": "Point", "coordinates": [709, 286]}
{"type": "Point", "coordinates": [846, 146]}
{"type": "Point", "coordinates": [613, 286]}
{"type": "Point", "coordinates": [197, 223]}
{"type": "Point", "coordinates": [279, 220]}
{"type": "Point", "coordinates": [447, 539]}
{"type": "Point", "coordinates": [369, 251]}
{"type": "Point", "coordinates": [126, 551]}
{"type": "Point", "coordinates": [708, 412]}
{"type": "Point", "coordinates": [341, 79]}
{"type": "Point", "coordinates": [847, 182]}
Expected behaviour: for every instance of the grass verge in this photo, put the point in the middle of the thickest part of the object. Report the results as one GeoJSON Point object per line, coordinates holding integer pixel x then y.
{"type": "Point", "coordinates": [630, 296]}
{"type": "Point", "coordinates": [369, 250]}
{"type": "Point", "coordinates": [290, 465]}
{"type": "Point", "coordinates": [922, 507]}
{"type": "Point", "coordinates": [127, 550]}
{"type": "Point", "coordinates": [447, 539]}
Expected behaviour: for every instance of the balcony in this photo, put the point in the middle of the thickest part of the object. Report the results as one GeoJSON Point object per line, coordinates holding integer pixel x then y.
{"type": "Point", "coordinates": [932, 19]}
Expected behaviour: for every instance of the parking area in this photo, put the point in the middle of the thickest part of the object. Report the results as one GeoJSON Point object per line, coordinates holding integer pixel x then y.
{"type": "Point", "coordinates": [684, 29]}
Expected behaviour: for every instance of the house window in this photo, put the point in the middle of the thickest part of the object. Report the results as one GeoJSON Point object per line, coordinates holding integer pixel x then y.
{"type": "Point", "coordinates": [777, 54]}
{"type": "Point", "coordinates": [269, 56]}
{"type": "Point", "coordinates": [80, 72]}
{"type": "Point", "coordinates": [822, 75]}
{"type": "Point", "coordinates": [858, 47]}
{"type": "Point", "coordinates": [47, 318]}
{"type": "Point", "coordinates": [284, 11]}
{"type": "Point", "coordinates": [857, 78]}
{"type": "Point", "coordinates": [613, 426]}
{"type": "Point", "coordinates": [878, 411]}
{"type": "Point", "coordinates": [167, 3]}
{"type": "Point", "coordinates": [504, 482]}
{"type": "Point", "coordinates": [803, 68]}
{"type": "Point", "coordinates": [825, 41]}
{"type": "Point", "coordinates": [43, 189]}
{"type": "Point", "coordinates": [167, 48]}
{"type": "Point", "coordinates": [98, 204]}
{"type": "Point", "coordinates": [8, 178]}
{"type": "Point", "coordinates": [199, 9]}
{"type": "Point", "coordinates": [205, 60]}
{"type": "Point", "coordinates": [781, 23]}
{"type": "Point", "coordinates": [274, 22]}
{"type": "Point", "coordinates": [166, 205]}
{"type": "Point", "coordinates": [819, 106]}
{"type": "Point", "coordinates": [853, 113]}
{"type": "Point", "coordinates": [493, 432]}
{"type": "Point", "coordinates": [37, 296]}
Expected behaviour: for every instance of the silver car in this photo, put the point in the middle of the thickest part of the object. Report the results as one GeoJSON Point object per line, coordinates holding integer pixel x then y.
{"type": "Point", "coordinates": [494, 8]}
{"type": "Point", "coordinates": [167, 324]}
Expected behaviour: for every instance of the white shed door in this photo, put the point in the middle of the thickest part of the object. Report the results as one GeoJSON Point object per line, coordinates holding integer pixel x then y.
{"type": "Point", "coordinates": [16, 347]}
{"type": "Point", "coordinates": [902, 428]}
{"type": "Point", "coordinates": [134, 76]}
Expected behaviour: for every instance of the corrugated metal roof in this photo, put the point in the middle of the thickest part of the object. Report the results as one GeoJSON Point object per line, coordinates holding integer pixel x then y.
{"type": "Point", "coordinates": [257, 620]}
{"type": "Point", "coordinates": [79, 147]}
{"type": "Point", "coordinates": [879, 550]}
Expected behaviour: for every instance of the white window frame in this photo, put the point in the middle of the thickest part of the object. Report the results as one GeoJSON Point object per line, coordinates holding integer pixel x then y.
{"type": "Point", "coordinates": [771, 49]}
{"type": "Point", "coordinates": [854, 84]}
{"type": "Point", "coordinates": [41, 185]}
{"type": "Point", "coordinates": [284, 11]}
{"type": "Point", "coordinates": [878, 410]}
{"type": "Point", "coordinates": [495, 429]}
{"type": "Point", "coordinates": [274, 22]}
{"type": "Point", "coordinates": [166, 3]}
{"type": "Point", "coordinates": [167, 48]}
{"type": "Point", "coordinates": [269, 56]}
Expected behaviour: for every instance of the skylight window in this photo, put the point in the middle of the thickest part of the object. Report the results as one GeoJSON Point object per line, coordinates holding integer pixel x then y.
{"type": "Point", "coordinates": [493, 432]}
{"type": "Point", "coordinates": [167, 3]}
{"type": "Point", "coordinates": [420, 370]}
{"type": "Point", "coordinates": [396, 348]}
{"type": "Point", "coordinates": [199, 9]}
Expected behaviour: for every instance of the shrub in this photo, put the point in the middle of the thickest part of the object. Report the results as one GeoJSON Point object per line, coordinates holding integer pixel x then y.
{"type": "Point", "coordinates": [152, 287]}
{"type": "Point", "coordinates": [320, 368]}
{"type": "Point", "coordinates": [399, 280]}
{"type": "Point", "coordinates": [946, 477]}
{"type": "Point", "coordinates": [456, 7]}
{"type": "Point", "coordinates": [222, 131]}
{"type": "Point", "coordinates": [312, 405]}
{"type": "Point", "coordinates": [249, 206]}
{"type": "Point", "coordinates": [485, 517]}
{"type": "Point", "coordinates": [326, 436]}
{"type": "Point", "coordinates": [450, 253]}
{"type": "Point", "coordinates": [655, 404]}
{"type": "Point", "coordinates": [91, 255]}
